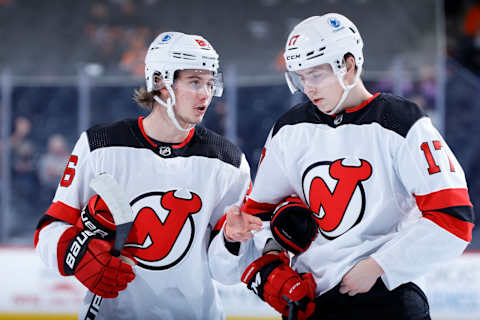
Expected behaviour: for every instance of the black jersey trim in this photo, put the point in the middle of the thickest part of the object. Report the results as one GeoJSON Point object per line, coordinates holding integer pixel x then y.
{"type": "Point", "coordinates": [391, 112]}
{"type": "Point", "coordinates": [463, 213]}
{"type": "Point", "coordinates": [127, 133]}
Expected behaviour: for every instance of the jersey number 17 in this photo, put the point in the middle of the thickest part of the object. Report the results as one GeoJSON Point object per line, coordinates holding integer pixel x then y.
{"type": "Point", "coordinates": [432, 165]}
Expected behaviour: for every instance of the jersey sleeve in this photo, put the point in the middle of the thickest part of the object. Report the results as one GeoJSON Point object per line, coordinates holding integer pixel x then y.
{"type": "Point", "coordinates": [73, 191]}
{"type": "Point", "coordinates": [271, 184]}
{"type": "Point", "coordinates": [71, 196]}
{"type": "Point", "coordinates": [429, 171]}
{"type": "Point", "coordinates": [227, 260]}
{"type": "Point", "coordinates": [234, 193]}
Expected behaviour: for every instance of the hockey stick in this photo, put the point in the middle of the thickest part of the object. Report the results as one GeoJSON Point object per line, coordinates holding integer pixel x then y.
{"type": "Point", "coordinates": [292, 310]}
{"type": "Point", "coordinates": [107, 187]}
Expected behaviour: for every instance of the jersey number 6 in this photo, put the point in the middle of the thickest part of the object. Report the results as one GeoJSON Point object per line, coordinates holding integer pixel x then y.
{"type": "Point", "coordinates": [69, 172]}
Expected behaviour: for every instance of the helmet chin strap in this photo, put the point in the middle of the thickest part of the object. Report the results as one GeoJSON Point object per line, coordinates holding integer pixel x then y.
{"type": "Point", "coordinates": [346, 89]}
{"type": "Point", "coordinates": [169, 106]}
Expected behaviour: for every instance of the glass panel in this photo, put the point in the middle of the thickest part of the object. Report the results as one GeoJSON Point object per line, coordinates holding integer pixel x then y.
{"type": "Point", "coordinates": [44, 124]}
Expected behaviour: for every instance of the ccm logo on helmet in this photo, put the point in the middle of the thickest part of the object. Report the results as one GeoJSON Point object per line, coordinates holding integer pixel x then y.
{"type": "Point", "coordinates": [293, 57]}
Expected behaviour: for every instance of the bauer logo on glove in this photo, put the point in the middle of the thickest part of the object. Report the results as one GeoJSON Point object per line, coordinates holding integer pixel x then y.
{"type": "Point", "coordinates": [96, 218]}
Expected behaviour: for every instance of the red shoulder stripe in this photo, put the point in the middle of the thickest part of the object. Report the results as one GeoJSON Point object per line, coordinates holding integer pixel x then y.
{"type": "Point", "coordinates": [461, 229]}
{"type": "Point", "coordinates": [63, 212]}
{"type": "Point", "coordinates": [443, 199]}
{"type": "Point", "coordinates": [254, 208]}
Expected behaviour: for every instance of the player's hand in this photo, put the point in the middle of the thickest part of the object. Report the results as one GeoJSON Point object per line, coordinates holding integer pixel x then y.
{"type": "Point", "coordinates": [88, 258]}
{"type": "Point", "coordinates": [97, 218]}
{"type": "Point", "coordinates": [361, 277]}
{"type": "Point", "coordinates": [239, 225]}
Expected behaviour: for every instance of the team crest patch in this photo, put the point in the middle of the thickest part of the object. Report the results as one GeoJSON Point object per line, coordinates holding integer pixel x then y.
{"type": "Point", "coordinates": [334, 192]}
{"type": "Point", "coordinates": [164, 228]}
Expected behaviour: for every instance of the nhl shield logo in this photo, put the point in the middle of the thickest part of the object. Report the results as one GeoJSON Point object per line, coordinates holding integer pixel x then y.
{"type": "Point", "coordinates": [165, 151]}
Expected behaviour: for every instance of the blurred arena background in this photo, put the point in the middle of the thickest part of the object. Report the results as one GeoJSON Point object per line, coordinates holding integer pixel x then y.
{"type": "Point", "coordinates": [65, 66]}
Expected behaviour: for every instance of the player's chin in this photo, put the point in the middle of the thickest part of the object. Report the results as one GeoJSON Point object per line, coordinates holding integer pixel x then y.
{"type": "Point", "coordinates": [323, 108]}
{"type": "Point", "coordinates": [198, 118]}
{"type": "Point", "coordinates": [194, 121]}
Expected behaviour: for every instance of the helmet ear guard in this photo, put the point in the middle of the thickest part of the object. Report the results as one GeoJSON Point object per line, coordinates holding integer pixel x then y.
{"type": "Point", "coordinates": [157, 81]}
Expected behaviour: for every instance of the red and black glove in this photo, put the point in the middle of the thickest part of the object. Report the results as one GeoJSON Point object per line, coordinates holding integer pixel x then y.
{"type": "Point", "coordinates": [293, 226]}
{"type": "Point", "coordinates": [97, 218]}
{"type": "Point", "coordinates": [84, 253]}
{"type": "Point", "coordinates": [272, 279]}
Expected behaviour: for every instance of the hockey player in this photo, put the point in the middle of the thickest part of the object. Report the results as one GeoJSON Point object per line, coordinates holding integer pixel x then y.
{"type": "Point", "coordinates": [179, 178]}
{"type": "Point", "coordinates": [389, 197]}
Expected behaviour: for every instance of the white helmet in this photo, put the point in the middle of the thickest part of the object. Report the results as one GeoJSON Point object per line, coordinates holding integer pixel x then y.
{"type": "Point", "coordinates": [173, 51]}
{"type": "Point", "coordinates": [323, 39]}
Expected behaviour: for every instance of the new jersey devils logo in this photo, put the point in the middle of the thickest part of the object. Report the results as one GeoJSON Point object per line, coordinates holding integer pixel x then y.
{"type": "Point", "coordinates": [163, 229]}
{"type": "Point", "coordinates": [339, 210]}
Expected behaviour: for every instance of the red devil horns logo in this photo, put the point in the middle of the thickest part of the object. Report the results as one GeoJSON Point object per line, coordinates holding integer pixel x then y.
{"type": "Point", "coordinates": [335, 203]}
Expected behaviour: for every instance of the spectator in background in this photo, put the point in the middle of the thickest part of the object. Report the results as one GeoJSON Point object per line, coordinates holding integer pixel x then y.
{"type": "Point", "coordinates": [24, 175]}
{"type": "Point", "coordinates": [51, 166]}
{"type": "Point", "coordinates": [24, 190]}
{"type": "Point", "coordinates": [21, 132]}
{"type": "Point", "coordinates": [22, 152]}
{"type": "Point", "coordinates": [470, 51]}
{"type": "Point", "coordinates": [24, 178]}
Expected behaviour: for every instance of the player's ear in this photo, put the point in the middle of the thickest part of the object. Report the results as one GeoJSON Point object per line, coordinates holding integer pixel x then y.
{"type": "Point", "coordinates": [164, 93]}
{"type": "Point", "coordinates": [350, 63]}
{"type": "Point", "coordinates": [351, 68]}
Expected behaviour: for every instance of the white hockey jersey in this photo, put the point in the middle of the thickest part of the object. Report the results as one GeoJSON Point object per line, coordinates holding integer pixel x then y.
{"type": "Point", "coordinates": [178, 194]}
{"type": "Point", "coordinates": [381, 182]}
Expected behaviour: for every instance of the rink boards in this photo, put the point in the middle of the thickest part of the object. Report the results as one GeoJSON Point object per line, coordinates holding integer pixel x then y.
{"type": "Point", "coordinates": [30, 291]}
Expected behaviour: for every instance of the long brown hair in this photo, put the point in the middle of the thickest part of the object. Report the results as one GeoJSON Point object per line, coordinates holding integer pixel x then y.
{"type": "Point", "coordinates": [144, 98]}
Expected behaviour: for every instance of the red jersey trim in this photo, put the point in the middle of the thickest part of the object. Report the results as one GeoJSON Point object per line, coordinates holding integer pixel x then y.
{"type": "Point", "coordinates": [175, 146]}
{"type": "Point", "coordinates": [459, 228]}
{"type": "Point", "coordinates": [37, 235]}
{"type": "Point", "coordinates": [253, 207]}
{"type": "Point", "coordinates": [218, 226]}
{"type": "Point", "coordinates": [140, 125]}
{"type": "Point", "coordinates": [363, 104]}
{"type": "Point", "coordinates": [443, 199]}
{"type": "Point", "coordinates": [187, 140]}
{"type": "Point", "coordinates": [63, 212]}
